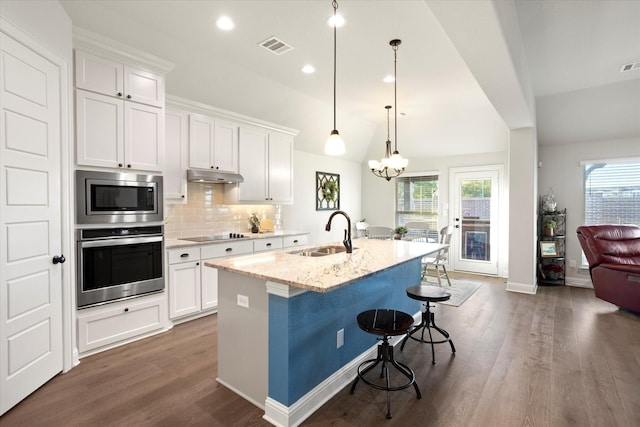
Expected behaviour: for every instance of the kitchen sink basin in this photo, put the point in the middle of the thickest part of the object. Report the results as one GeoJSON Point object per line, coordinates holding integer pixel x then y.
{"type": "Point", "coordinates": [320, 251]}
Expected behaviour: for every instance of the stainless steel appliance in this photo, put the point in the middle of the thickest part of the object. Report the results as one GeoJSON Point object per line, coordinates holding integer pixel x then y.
{"type": "Point", "coordinates": [119, 263]}
{"type": "Point", "coordinates": [113, 197]}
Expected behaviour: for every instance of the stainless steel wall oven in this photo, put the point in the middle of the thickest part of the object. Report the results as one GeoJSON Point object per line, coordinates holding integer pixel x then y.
{"type": "Point", "coordinates": [119, 263]}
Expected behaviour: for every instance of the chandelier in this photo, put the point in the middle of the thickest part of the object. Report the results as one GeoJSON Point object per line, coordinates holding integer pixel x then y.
{"type": "Point", "coordinates": [392, 164]}
{"type": "Point", "coordinates": [335, 144]}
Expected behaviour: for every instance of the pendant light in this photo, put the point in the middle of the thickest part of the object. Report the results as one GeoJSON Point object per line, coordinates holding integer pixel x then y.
{"type": "Point", "coordinates": [392, 164]}
{"type": "Point", "coordinates": [334, 145]}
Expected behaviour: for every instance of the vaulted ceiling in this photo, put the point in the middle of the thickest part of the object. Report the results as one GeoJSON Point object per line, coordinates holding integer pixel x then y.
{"type": "Point", "coordinates": [572, 53]}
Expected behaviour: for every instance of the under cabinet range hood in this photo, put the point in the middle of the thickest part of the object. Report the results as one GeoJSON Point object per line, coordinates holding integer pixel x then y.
{"type": "Point", "coordinates": [213, 176]}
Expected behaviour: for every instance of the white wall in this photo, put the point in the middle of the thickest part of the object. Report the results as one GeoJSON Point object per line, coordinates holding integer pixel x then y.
{"type": "Point", "coordinates": [45, 20]}
{"type": "Point", "coordinates": [561, 171]}
{"type": "Point", "coordinates": [302, 215]}
{"type": "Point", "coordinates": [378, 195]}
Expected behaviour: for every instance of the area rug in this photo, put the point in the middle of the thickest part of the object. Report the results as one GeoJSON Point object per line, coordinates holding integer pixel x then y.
{"type": "Point", "coordinates": [460, 290]}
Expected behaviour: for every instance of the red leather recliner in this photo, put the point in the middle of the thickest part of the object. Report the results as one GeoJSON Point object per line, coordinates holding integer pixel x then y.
{"type": "Point", "coordinates": [613, 253]}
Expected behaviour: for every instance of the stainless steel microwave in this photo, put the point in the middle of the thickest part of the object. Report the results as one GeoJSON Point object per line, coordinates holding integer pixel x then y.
{"type": "Point", "coordinates": [113, 198]}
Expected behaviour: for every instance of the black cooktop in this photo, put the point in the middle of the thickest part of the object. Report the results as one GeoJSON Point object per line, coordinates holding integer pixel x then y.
{"type": "Point", "coordinates": [230, 236]}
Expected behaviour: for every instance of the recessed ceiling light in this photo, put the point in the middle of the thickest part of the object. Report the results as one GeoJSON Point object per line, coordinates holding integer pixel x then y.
{"type": "Point", "coordinates": [225, 23]}
{"type": "Point", "coordinates": [337, 21]}
{"type": "Point", "coordinates": [308, 69]}
{"type": "Point", "coordinates": [388, 79]}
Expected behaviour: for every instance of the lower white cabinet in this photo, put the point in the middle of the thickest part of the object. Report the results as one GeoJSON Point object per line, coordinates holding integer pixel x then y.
{"type": "Point", "coordinates": [292, 241]}
{"type": "Point", "coordinates": [267, 244]}
{"type": "Point", "coordinates": [193, 287]}
{"type": "Point", "coordinates": [120, 322]}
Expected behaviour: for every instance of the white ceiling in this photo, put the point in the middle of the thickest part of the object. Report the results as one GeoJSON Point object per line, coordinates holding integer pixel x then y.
{"type": "Point", "coordinates": [569, 46]}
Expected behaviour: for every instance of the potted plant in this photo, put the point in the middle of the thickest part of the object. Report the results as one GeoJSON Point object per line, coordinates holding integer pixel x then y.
{"type": "Point", "coordinates": [549, 226]}
{"type": "Point", "coordinates": [400, 232]}
{"type": "Point", "coordinates": [255, 223]}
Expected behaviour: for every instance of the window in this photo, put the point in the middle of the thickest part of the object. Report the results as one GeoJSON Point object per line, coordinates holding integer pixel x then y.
{"type": "Point", "coordinates": [612, 192]}
{"type": "Point", "coordinates": [417, 200]}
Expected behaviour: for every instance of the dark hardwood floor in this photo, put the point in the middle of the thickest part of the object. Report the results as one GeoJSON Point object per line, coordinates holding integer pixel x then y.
{"type": "Point", "coordinates": [558, 358]}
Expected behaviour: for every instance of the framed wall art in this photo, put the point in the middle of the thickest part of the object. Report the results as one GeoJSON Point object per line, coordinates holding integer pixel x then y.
{"type": "Point", "coordinates": [327, 191]}
{"type": "Point", "coordinates": [548, 248]}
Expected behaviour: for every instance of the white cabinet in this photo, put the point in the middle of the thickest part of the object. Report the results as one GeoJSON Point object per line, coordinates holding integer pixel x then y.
{"type": "Point", "coordinates": [297, 240]}
{"type": "Point", "coordinates": [193, 287]}
{"type": "Point", "coordinates": [266, 163]}
{"type": "Point", "coordinates": [184, 281]}
{"type": "Point", "coordinates": [213, 144]}
{"type": "Point", "coordinates": [267, 244]}
{"type": "Point", "coordinates": [116, 134]}
{"type": "Point", "coordinates": [102, 75]}
{"type": "Point", "coordinates": [119, 115]}
{"type": "Point", "coordinates": [120, 322]}
{"type": "Point", "coordinates": [176, 156]}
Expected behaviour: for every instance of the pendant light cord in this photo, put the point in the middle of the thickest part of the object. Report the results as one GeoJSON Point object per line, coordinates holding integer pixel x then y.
{"type": "Point", "coordinates": [395, 97]}
{"type": "Point", "coordinates": [335, 35]}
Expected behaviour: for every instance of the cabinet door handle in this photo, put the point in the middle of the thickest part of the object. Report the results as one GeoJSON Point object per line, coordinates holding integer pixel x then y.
{"type": "Point", "coordinates": [119, 165]}
{"type": "Point", "coordinates": [182, 196]}
{"type": "Point", "coordinates": [128, 96]}
{"type": "Point", "coordinates": [126, 309]}
{"type": "Point", "coordinates": [228, 249]}
{"type": "Point", "coordinates": [197, 263]}
{"type": "Point", "coordinates": [119, 93]}
{"type": "Point", "coordinates": [268, 244]}
{"type": "Point", "coordinates": [129, 166]}
{"type": "Point", "coordinates": [59, 259]}
{"type": "Point", "coordinates": [295, 241]}
{"type": "Point", "coordinates": [184, 255]}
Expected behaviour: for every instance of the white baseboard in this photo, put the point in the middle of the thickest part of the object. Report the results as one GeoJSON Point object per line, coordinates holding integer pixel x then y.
{"type": "Point", "coordinates": [290, 416]}
{"type": "Point", "coordinates": [522, 288]}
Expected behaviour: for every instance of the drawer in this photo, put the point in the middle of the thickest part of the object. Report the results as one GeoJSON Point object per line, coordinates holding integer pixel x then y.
{"type": "Point", "coordinates": [105, 325]}
{"type": "Point", "coordinates": [290, 241]}
{"type": "Point", "coordinates": [267, 244]}
{"type": "Point", "coordinates": [177, 255]}
{"type": "Point", "coordinates": [227, 249]}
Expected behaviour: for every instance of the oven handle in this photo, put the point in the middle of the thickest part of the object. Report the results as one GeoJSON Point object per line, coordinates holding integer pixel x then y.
{"type": "Point", "coordinates": [119, 241]}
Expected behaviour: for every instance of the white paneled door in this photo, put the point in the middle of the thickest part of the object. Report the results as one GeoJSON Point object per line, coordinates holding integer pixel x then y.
{"type": "Point", "coordinates": [30, 221]}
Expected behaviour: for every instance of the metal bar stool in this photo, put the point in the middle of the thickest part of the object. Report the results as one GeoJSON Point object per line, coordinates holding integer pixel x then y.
{"type": "Point", "coordinates": [428, 294]}
{"type": "Point", "coordinates": [386, 323]}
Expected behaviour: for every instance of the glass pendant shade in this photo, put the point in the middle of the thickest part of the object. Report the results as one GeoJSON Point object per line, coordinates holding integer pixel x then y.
{"type": "Point", "coordinates": [334, 145]}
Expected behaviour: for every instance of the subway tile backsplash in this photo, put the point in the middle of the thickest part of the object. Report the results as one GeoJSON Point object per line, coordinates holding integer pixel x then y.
{"type": "Point", "coordinates": [205, 214]}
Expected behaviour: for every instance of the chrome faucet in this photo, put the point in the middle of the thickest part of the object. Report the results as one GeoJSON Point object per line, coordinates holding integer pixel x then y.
{"type": "Point", "coordinates": [347, 233]}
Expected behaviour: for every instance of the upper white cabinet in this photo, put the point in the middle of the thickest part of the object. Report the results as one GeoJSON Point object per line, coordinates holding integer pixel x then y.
{"type": "Point", "coordinates": [113, 133]}
{"type": "Point", "coordinates": [102, 75]}
{"type": "Point", "coordinates": [266, 163]}
{"type": "Point", "coordinates": [119, 105]}
{"type": "Point", "coordinates": [176, 156]}
{"type": "Point", "coordinates": [213, 144]}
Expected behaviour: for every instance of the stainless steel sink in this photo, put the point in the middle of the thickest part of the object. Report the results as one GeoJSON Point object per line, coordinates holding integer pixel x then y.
{"type": "Point", "coordinates": [320, 251]}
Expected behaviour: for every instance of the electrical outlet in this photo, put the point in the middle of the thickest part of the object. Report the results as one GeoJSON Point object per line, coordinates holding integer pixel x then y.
{"type": "Point", "coordinates": [340, 338]}
{"type": "Point", "coordinates": [243, 301]}
{"type": "Point", "coordinates": [572, 263]}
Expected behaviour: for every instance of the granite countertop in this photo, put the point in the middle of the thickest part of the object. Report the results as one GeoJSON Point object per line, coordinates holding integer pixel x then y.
{"type": "Point", "coordinates": [180, 243]}
{"type": "Point", "coordinates": [326, 273]}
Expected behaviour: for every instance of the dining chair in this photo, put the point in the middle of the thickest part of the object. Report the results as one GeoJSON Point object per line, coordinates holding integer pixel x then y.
{"type": "Point", "coordinates": [440, 260]}
{"type": "Point", "coordinates": [417, 231]}
{"type": "Point", "coordinates": [380, 233]}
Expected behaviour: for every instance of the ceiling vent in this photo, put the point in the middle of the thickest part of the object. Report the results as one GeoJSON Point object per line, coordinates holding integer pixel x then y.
{"type": "Point", "coordinates": [630, 67]}
{"type": "Point", "coordinates": [275, 45]}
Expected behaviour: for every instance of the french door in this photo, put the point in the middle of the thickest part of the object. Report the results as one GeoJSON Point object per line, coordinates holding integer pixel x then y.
{"type": "Point", "coordinates": [475, 194]}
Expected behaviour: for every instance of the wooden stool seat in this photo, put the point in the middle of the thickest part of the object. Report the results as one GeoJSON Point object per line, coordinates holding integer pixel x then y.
{"type": "Point", "coordinates": [385, 323]}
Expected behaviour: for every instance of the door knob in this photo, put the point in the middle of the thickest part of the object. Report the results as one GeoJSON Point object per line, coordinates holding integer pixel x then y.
{"type": "Point", "coordinates": [59, 259]}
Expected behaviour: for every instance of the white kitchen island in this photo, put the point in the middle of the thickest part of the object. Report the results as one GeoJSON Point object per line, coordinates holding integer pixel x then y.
{"type": "Point", "coordinates": [279, 314]}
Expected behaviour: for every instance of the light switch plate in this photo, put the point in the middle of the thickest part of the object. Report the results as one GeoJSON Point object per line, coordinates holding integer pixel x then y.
{"type": "Point", "coordinates": [243, 301]}
{"type": "Point", "coordinates": [340, 338]}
